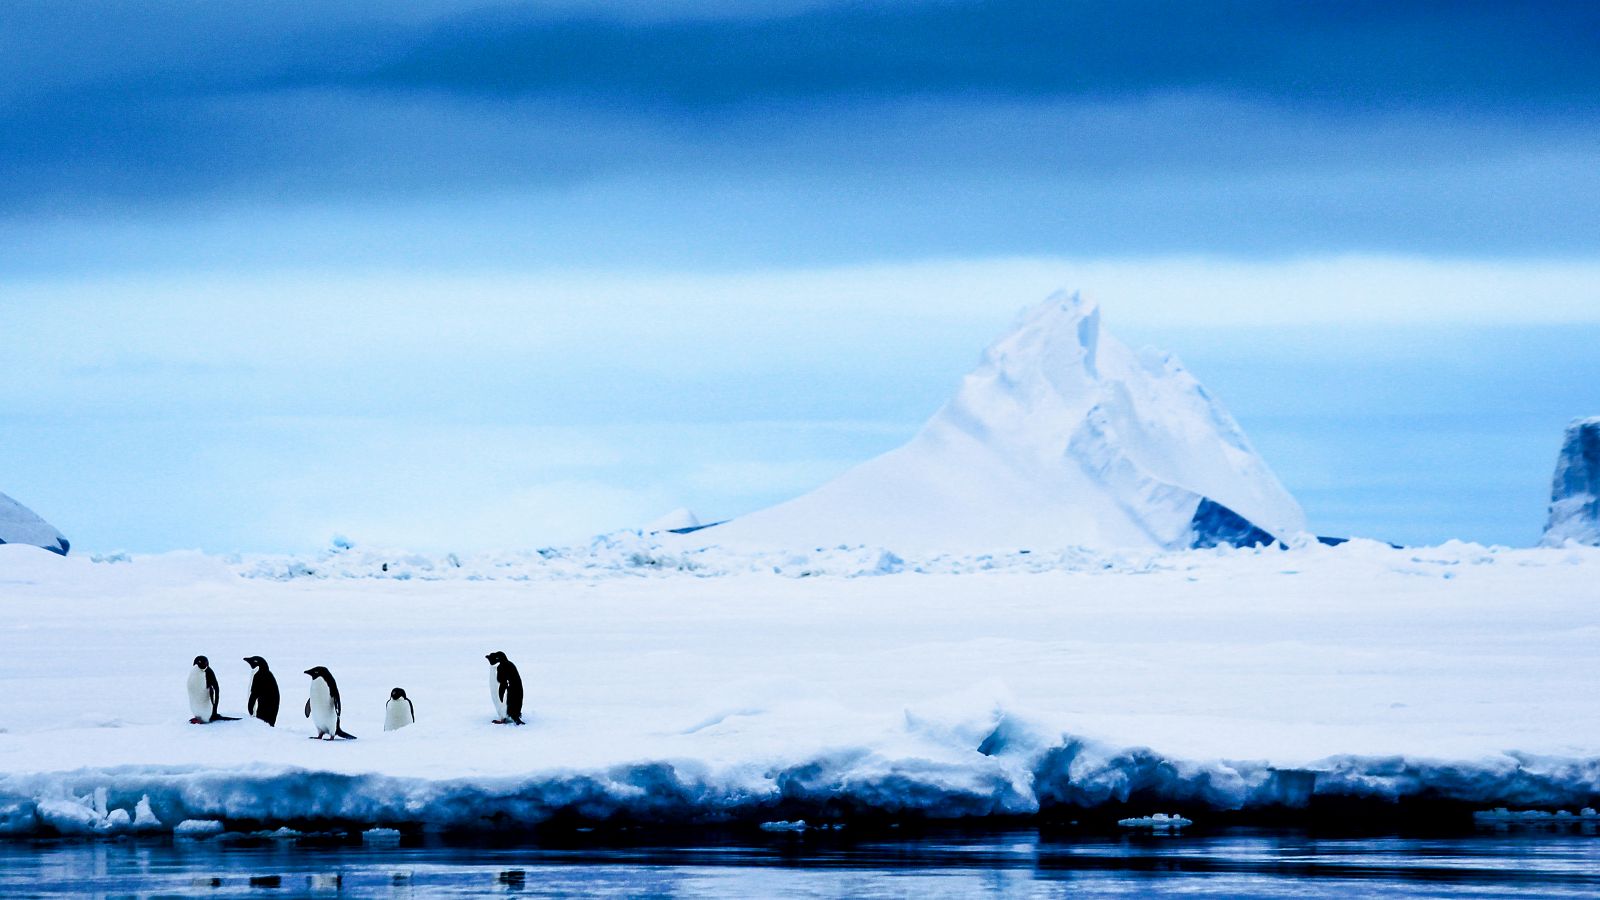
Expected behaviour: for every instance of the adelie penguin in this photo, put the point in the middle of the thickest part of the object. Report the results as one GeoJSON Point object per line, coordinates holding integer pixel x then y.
{"type": "Point", "coordinates": [263, 703]}
{"type": "Point", "coordinates": [323, 708]}
{"type": "Point", "coordinates": [203, 694]}
{"type": "Point", "coordinates": [398, 712]}
{"type": "Point", "coordinates": [505, 688]}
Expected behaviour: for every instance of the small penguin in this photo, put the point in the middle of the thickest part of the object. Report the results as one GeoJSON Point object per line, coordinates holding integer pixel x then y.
{"type": "Point", "coordinates": [505, 688]}
{"type": "Point", "coordinates": [263, 703]}
{"type": "Point", "coordinates": [323, 707]}
{"type": "Point", "coordinates": [203, 694]}
{"type": "Point", "coordinates": [399, 711]}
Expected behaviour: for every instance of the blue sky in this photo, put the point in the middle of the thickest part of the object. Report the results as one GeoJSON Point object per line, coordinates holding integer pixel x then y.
{"type": "Point", "coordinates": [464, 276]}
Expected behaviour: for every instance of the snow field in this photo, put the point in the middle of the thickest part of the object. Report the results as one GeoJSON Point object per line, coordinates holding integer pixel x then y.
{"type": "Point", "coordinates": [673, 695]}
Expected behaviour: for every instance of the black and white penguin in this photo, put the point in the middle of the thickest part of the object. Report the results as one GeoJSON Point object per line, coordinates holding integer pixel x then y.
{"type": "Point", "coordinates": [263, 703]}
{"type": "Point", "coordinates": [203, 694]}
{"type": "Point", "coordinates": [398, 712]}
{"type": "Point", "coordinates": [505, 688]}
{"type": "Point", "coordinates": [323, 707]}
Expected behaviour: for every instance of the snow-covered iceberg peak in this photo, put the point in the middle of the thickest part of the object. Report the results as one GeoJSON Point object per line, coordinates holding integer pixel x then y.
{"type": "Point", "coordinates": [1575, 493]}
{"type": "Point", "coordinates": [21, 525]}
{"type": "Point", "coordinates": [1062, 436]}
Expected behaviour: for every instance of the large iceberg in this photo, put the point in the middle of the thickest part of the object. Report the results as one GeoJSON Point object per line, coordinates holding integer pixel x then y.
{"type": "Point", "coordinates": [21, 525]}
{"type": "Point", "coordinates": [1063, 436]}
{"type": "Point", "coordinates": [1575, 493]}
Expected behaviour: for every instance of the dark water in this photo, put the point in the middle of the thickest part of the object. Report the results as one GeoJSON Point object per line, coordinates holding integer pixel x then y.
{"type": "Point", "coordinates": [1021, 864]}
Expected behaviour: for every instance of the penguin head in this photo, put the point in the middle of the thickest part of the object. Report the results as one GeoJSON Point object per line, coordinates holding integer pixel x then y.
{"type": "Point", "coordinates": [256, 662]}
{"type": "Point", "coordinates": [397, 694]}
{"type": "Point", "coordinates": [317, 672]}
{"type": "Point", "coordinates": [496, 658]}
{"type": "Point", "coordinates": [200, 662]}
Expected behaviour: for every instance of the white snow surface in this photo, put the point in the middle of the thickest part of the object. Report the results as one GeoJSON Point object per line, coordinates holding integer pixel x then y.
{"type": "Point", "coordinates": [1575, 489]}
{"type": "Point", "coordinates": [1063, 436]}
{"type": "Point", "coordinates": [943, 686]}
{"type": "Point", "coordinates": [21, 525]}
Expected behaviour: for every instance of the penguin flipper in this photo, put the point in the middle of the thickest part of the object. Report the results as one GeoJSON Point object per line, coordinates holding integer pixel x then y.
{"type": "Point", "coordinates": [308, 707]}
{"type": "Point", "coordinates": [340, 732]}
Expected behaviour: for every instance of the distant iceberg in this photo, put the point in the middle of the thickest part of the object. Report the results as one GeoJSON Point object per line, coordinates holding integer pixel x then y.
{"type": "Point", "coordinates": [680, 520]}
{"type": "Point", "coordinates": [1062, 437]}
{"type": "Point", "coordinates": [21, 525]}
{"type": "Point", "coordinates": [1575, 492]}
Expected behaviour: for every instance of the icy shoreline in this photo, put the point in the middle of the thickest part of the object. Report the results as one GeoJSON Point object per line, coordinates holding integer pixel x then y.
{"type": "Point", "coordinates": [736, 690]}
{"type": "Point", "coordinates": [1073, 777]}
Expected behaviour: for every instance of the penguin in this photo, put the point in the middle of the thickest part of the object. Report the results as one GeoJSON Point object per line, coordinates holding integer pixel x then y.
{"type": "Point", "coordinates": [399, 711]}
{"type": "Point", "coordinates": [323, 707]}
{"type": "Point", "coordinates": [505, 688]}
{"type": "Point", "coordinates": [203, 694]}
{"type": "Point", "coordinates": [263, 703]}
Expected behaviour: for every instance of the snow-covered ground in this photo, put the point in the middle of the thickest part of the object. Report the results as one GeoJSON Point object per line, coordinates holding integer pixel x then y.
{"type": "Point", "coordinates": [703, 684]}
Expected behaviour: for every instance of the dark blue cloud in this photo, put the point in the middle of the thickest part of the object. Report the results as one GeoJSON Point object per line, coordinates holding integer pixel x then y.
{"type": "Point", "coordinates": [1364, 125]}
{"type": "Point", "coordinates": [1355, 53]}
{"type": "Point", "coordinates": [1350, 54]}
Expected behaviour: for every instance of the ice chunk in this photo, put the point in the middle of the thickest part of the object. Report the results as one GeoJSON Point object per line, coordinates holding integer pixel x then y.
{"type": "Point", "coordinates": [144, 818]}
{"type": "Point", "coordinates": [1502, 816]}
{"type": "Point", "coordinates": [796, 825]}
{"type": "Point", "coordinates": [69, 816]}
{"type": "Point", "coordinates": [1157, 822]}
{"type": "Point", "coordinates": [198, 827]}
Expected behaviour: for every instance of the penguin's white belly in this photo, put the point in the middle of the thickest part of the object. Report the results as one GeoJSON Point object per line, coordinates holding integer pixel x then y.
{"type": "Point", "coordinates": [494, 692]}
{"type": "Point", "coordinates": [199, 698]}
{"type": "Point", "coordinates": [396, 714]}
{"type": "Point", "coordinates": [323, 714]}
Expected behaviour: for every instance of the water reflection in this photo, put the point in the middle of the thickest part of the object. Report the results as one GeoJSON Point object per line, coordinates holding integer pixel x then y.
{"type": "Point", "coordinates": [1027, 863]}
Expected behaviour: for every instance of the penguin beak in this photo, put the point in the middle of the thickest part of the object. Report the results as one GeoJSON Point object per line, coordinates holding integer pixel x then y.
{"type": "Point", "coordinates": [489, 656]}
{"type": "Point", "coordinates": [308, 672]}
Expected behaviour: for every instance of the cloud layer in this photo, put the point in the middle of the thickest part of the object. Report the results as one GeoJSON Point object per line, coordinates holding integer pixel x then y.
{"type": "Point", "coordinates": [828, 132]}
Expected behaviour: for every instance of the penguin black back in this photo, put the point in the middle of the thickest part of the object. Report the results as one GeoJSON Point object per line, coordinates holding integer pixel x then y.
{"type": "Point", "coordinates": [263, 691]}
{"type": "Point", "coordinates": [510, 682]}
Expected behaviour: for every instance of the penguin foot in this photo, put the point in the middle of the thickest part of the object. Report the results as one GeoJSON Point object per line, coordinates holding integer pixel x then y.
{"type": "Point", "coordinates": [196, 721]}
{"type": "Point", "coordinates": [494, 722]}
